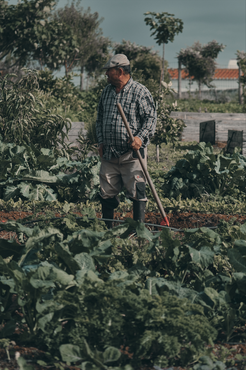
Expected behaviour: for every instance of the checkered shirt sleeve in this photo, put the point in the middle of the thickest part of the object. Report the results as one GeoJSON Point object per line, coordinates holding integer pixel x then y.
{"type": "Point", "coordinates": [139, 108]}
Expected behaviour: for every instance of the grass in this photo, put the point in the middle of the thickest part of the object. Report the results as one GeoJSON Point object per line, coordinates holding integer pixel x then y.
{"type": "Point", "coordinates": [196, 105]}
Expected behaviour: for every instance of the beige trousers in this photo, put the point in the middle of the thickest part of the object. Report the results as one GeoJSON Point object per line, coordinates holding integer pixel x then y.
{"type": "Point", "coordinates": [124, 171]}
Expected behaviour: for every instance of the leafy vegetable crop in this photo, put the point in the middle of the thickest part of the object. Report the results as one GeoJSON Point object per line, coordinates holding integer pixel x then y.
{"type": "Point", "coordinates": [39, 174]}
{"type": "Point", "coordinates": [95, 296]}
{"type": "Point", "coordinates": [201, 172]}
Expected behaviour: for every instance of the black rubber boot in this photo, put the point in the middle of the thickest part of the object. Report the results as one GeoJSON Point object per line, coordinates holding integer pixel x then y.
{"type": "Point", "coordinates": [139, 211]}
{"type": "Point", "coordinates": [108, 213]}
{"type": "Point", "coordinates": [108, 206]}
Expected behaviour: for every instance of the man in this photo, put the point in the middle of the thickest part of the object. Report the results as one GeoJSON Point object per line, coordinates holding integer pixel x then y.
{"type": "Point", "coordinates": [119, 163]}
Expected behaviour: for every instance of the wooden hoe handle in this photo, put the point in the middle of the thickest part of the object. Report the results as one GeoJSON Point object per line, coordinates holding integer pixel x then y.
{"type": "Point", "coordinates": [157, 199]}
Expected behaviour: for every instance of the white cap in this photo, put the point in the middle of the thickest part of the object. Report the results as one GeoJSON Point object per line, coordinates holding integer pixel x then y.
{"type": "Point", "coordinates": [118, 60]}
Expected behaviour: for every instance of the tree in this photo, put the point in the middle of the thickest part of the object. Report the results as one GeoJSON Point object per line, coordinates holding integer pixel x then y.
{"type": "Point", "coordinates": [98, 58]}
{"type": "Point", "coordinates": [92, 48]}
{"type": "Point", "coordinates": [141, 57]}
{"type": "Point", "coordinates": [165, 28]}
{"type": "Point", "coordinates": [32, 30]}
{"type": "Point", "coordinates": [28, 32]}
{"type": "Point", "coordinates": [56, 46]}
{"type": "Point", "coordinates": [199, 61]}
{"type": "Point", "coordinates": [145, 63]}
{"type": "Point", "coordinates": [21, 27]}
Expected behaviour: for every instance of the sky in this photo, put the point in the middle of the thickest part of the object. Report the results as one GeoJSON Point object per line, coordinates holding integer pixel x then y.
{"type": "Point", "coordinates": [204, 21]}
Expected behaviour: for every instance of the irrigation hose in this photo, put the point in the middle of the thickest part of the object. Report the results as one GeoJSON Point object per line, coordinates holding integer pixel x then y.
{"type": "Point", "coordinates": [108, 219]}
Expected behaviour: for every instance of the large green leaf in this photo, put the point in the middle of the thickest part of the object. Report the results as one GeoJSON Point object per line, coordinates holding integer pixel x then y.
{"type": "Point", "coordinates": [237, 260]}
{"type": "Point", "coordinates": [240, 279]}
{"type": "Point", "coordinates": [103, 250]}
{"type": "Point", "coordinates": [10, 192]}
{"type": "Point", "coordinates": [203, 257]}
{"type": "Point", "coordinates": [44, 306]}
{"type": "Point", "coordinates": [8, 282]}
{"type": "Point", "coordinates": [48, 276]}
{"type": "Point", "coordinates": [23, 365]}
{"type": "Point", "coordinates": [118, 275]}
{"type": "Point", "coordinates": [87, 365]}
{"type": "Point", "coordinates": [240, 245]}
{"type": "Point", "coordinates": [84, 241]}
{"type": "Point", "coordinates": [85, 262]}
{"type": "Point", "coordinates": [143, 232]}
{"type": "Point", "coordinates": [70, 353]}
{"type": "Point", "coordinates": [41, 176]}
{"type": "Point", "coordinates": [18, 228]}
{"type": "Point", "coordinates": [215, 299]}
{"type": "Point", "coordinates": [161, 286]}
{"type": "Point", "coordinates": [25, 189]}
{"type": "Point", "coordinates": [111, 354]}
{"type": "Point", "coordinates": [81, 275]}
{"type": "Point", "coordinates": [44, 320]}
{"type": "Point", "coordinates": [211, 234]}
{"type": "Point", "coordinates": [44, 237]}
{"type": "Point", "coordinates": [243, 228]}
{"type": "Point", "coordinates": [67, 257]}
{"type": "Point", "coordinates": [10, 248]}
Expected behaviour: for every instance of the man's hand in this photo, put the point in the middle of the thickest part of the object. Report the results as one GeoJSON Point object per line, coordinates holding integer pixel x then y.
{"type": "Point", "coordinates": [100, 150]}
{"type": "Point", "coordinates": [137, 143]}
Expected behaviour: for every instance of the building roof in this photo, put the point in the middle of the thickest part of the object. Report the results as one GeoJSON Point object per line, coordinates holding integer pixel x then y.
{"type": "Point", "coordinates": [220, 74]}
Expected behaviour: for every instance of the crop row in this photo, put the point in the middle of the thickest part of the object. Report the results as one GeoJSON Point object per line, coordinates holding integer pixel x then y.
{"type": "Point", "coordinates": [95, 296]}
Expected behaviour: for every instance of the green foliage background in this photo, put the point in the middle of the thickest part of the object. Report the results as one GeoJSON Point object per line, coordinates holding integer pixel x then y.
{"type": "Point", "coordinates": [99, 297]}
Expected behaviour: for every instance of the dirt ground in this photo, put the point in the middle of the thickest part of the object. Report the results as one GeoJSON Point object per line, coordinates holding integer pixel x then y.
{"type": "Point", "coordinates": [189, 220]}
{"type": "Point", "coordinates": [177, 221]}
{"type": "Point", "coordinates": [185, 220]}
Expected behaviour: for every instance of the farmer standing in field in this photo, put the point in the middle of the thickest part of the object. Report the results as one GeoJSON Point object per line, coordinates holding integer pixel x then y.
{"type": "Point", "coordinates": [119, 163]}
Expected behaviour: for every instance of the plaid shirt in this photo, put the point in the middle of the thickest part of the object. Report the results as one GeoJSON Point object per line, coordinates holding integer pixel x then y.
{"type": "Point", "coordinates": [139, 108]}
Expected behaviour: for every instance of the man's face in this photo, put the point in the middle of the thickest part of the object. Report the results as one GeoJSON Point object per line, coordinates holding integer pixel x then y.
{"type": "Point", "coordinates": [113, 76]}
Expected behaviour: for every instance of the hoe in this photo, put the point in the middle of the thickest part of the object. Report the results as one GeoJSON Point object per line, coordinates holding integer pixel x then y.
{"type": "Point", "coordinates": [151, 185]}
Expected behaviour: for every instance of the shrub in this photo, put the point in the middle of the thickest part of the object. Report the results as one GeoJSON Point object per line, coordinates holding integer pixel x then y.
{"type": "Point", "coordinates": [201, 172]}
{"type": "Point", "coordinates": [23, 119]}
{"type": "Point", "coordinates": [168, 129]}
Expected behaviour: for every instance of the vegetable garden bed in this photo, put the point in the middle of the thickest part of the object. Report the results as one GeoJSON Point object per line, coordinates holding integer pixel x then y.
{"type": "Point", "coordinates": [34, 358]}
{"type": "Point", "coordinates": [91, 297]}
{"type": "Point", "coordinates": [32, 355]}
{"type": "Point", "coordinates": [179, 220]}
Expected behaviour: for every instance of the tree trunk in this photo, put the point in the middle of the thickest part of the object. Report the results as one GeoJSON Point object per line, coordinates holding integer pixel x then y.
{"type": "Point", "coordinates": [200, 89]}
{"type": "Point", "coordinates": [179, 80]}
{"type": "Point", "coordinates": [163, 63]}
{"type": "Point", "coordinates": [81, 77]}
{"type": "Point", "coordinates": [66, 68]}
{"type": "Point", "coordinates": [240, 86]}
{"type": "Point", "coordinates": [157, 154]}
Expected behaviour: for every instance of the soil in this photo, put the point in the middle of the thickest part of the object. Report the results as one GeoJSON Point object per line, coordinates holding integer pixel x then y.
{"type": "Point", "coordinates": [177, 221]}
{"type": "Point", "coordinates": [188, 220]}
{"type": "Point", "coordinates": [180, 221]}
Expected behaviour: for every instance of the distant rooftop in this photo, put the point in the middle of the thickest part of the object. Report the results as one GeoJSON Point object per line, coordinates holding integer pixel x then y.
{"type": "Point", "coordinates": [220, 74]}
